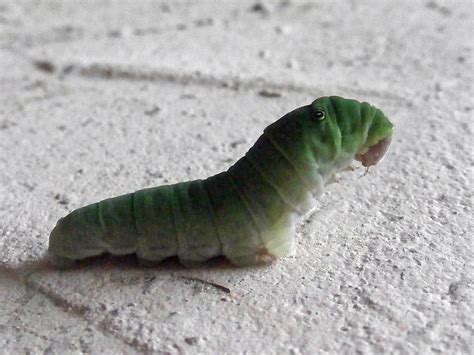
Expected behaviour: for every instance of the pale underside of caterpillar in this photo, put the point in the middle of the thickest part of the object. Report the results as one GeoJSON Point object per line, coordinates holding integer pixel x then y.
{"type": "Point", "coordinates": [246, 213]}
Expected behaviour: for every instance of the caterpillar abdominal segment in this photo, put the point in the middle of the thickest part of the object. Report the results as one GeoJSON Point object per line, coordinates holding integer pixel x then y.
{"type": "Point", "coordinates": [246, 213]}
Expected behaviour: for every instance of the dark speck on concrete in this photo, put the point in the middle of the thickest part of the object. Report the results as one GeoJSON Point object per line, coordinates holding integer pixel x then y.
{"type": "Point", "coordinates": [62, 200]}
{"type": "Point", "coordinates": [191, 340]}
{"type": "Point", "coordinates": [153, 111]}
{"type": "Point", "coordinates": [260, 8]}
{"type": "Point", "coordinates": [45, 66]}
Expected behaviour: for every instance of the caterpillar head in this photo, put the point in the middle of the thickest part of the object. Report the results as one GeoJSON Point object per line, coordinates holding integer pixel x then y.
{"type": "Point", "coordinates": [348, 128]}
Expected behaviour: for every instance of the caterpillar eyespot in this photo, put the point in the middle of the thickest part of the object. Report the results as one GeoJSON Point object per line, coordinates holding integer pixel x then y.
{"type": "Point", "coordinates": [246, 213]}
{"type": "Point", "coordinates": [319, 115]}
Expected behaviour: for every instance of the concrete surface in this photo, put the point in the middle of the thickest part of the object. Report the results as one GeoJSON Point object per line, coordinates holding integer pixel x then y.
{"type": "Point", "coordinates": [102, 98]}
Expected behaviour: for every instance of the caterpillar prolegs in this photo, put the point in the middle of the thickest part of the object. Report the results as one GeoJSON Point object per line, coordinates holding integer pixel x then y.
{"type": "Point", "coordinates": [246, 213]}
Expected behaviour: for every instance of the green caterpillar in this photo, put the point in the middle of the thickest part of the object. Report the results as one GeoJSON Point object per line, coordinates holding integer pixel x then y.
{"type": "Point", "coordinates": [246, 213]}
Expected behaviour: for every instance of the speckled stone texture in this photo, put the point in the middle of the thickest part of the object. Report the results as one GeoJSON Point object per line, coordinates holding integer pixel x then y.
{"type": "Point", "coordinates": [103, 98]}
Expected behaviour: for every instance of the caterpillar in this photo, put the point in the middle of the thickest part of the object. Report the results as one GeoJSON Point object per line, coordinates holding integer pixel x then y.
{"type": "Point", "coordinates": [246, 213]}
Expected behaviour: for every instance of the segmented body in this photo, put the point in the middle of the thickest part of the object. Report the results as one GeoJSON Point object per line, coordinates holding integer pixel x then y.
{"type": "Point", "coordinates": [185, 219]}
{"type": "Point", "coordinates": [246, 213]}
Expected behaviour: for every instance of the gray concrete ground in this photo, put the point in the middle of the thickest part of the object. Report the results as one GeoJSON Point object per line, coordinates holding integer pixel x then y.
{"type": "Point", "coordinates": [102, 98]}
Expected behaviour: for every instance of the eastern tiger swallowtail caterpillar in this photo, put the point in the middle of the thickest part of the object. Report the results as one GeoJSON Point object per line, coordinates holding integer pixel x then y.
{"type": "Point", "coordinates": [246, 213]}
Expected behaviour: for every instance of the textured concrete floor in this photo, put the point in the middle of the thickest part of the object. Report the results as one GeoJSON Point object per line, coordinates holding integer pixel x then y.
{"type": "Point", "coordinates": [102, 98]}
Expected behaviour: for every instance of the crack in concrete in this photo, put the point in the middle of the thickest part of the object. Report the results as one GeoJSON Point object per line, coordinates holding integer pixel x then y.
{"type": "Point", "coordinates": [24, 275]}
{"type": "Point", "coordinates": [107, 71]}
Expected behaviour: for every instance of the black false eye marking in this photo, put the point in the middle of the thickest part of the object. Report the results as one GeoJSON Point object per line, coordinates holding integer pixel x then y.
{"type": "Point", "coordinates": [319, 114]}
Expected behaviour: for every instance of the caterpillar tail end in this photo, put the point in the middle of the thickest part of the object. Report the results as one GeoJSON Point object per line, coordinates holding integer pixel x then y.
{"type": "Point", "coordinates": [55, 245]}
{"type": "Point", "coordinates": [76, 236]}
